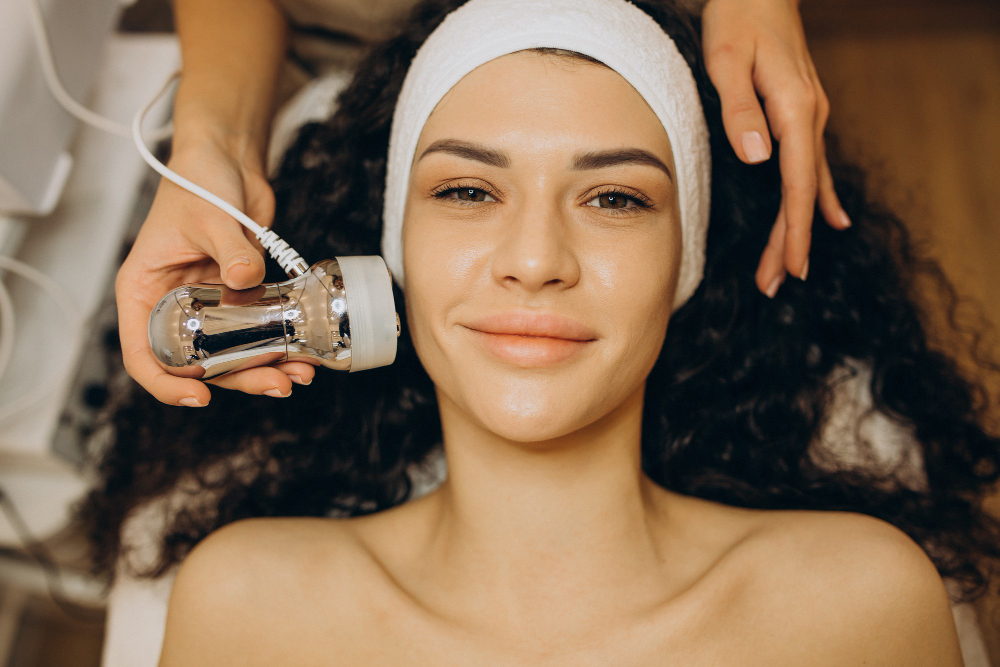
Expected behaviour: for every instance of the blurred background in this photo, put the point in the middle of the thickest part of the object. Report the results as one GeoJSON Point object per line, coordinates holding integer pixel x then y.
{"type": "Point", "coordinates": [914, 87]}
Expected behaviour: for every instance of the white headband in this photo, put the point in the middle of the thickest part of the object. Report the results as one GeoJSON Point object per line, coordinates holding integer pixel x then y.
{"type": "Point", "coordinates": [615, 32]}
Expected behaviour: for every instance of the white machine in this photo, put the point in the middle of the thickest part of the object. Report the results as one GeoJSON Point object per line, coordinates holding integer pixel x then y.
{"type": "Point", "coordinates": [67, 196]}
{"type": "Point", "coordinates": [35, 131]}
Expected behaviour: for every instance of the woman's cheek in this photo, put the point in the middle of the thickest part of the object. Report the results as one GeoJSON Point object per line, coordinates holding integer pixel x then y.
{"type": "Point", "coordinates": [439, 267]}
{"type": "Point", "coordinates": [463, 264]}
{"type": "Point", "coordinates": [637, 282]}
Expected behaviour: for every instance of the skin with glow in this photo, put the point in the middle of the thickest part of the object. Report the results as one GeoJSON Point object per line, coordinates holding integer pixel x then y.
{"type": "Point", "coordinates": [551, 201]}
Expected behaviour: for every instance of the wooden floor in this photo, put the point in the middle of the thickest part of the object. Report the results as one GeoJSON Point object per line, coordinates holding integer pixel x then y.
{"type": "Point", "coordinates": [914, 89]}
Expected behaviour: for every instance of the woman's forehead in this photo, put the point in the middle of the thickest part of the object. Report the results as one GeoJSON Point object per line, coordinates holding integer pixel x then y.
{"type": "Point", "coordinates": [533, 102]}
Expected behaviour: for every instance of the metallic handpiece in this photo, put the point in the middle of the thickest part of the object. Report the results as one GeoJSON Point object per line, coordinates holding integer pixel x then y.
{"type": "Point", "coordinates": [339, 314]}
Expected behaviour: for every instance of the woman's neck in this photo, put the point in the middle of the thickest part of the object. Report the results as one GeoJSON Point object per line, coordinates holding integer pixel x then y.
{"type": "Point", "coordinates": [521, 523]}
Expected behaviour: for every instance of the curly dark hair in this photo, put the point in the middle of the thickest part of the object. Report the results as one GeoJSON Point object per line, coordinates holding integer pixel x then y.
{"type": "Point", "coordinates": [735, 405]}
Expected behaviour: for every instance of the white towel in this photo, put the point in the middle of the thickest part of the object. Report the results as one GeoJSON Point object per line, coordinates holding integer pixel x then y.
{"type": "Point", "coordinates": [615, 32]}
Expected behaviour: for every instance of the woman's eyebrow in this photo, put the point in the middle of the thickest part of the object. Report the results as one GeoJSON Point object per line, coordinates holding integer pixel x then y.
{"type": "Point", "coordinates": [581, 161]}
{"type": "Point", "coordinates": [469, 151]}
{"type": "Point", "coordinates": [611, 158]}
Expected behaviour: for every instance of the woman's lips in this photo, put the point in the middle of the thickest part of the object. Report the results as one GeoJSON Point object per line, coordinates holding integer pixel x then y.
{"type": "Point", "coordinates": [531, 340]}
{"type": "Point", "coordinates": [528, 351]}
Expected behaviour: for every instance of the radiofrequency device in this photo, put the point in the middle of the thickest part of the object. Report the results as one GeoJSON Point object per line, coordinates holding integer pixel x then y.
{"type": "Point", "coordinates": [338, 314]}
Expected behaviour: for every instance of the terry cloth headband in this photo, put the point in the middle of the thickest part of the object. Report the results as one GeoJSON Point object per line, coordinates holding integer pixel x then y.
{"type": "Point", "coordinates": [615, 32]}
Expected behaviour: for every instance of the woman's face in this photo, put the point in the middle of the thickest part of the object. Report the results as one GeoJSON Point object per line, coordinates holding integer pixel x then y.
{"type": "Point", "coordinates": [541, 244]}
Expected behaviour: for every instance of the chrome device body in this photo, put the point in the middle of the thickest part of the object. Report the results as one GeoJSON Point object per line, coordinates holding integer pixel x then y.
{"type": "Point", "coordinates": [339, 314]}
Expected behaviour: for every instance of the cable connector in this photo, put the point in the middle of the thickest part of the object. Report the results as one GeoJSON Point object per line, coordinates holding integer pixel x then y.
{"type": "Point", "coordinates": [282, 253]}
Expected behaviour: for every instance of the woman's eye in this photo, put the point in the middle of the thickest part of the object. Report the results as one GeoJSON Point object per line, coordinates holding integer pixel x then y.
{"type": "Point", "coordinates": [466, 194]}
{"type": "Point", "coordinates": [616, 200]}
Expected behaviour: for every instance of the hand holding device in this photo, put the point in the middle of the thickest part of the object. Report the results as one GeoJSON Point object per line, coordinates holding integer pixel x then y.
{"type": "Point", "coordinates": [188, 240]}
{"type": "Point", "coordinates": [339, 313]}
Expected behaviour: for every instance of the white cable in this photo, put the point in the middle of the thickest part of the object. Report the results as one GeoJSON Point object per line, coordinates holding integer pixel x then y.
{"type": "Point", "coordinates": [74, 322]}
{"type": "Point", "coordinates": [283, 253]}
{"type": "Point", "coordinates": [59, 92]}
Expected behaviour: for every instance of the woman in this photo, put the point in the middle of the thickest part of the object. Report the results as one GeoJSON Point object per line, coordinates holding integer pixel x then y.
{"type": "Point", "coordinates": [619, 491]}
{"type": "Point", "coordinates": [233, 51]}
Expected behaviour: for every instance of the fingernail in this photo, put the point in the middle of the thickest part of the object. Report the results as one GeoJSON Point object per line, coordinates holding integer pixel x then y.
{"type": "Point", "coordinates": [772, 289]}
{"type": "Point", "coordinates": [298, 380]}
{"type": "Point", "coordinates": [845, 220]}
{"type": "Point", "coordinates": [236, 262]}
{"type": "Point", "coordinates": [754, 147]}
{"type": "Point", "coordinates": [276, 393]}
{"type": "Point", "coordinates": [191, 402]}
{"type": "Point", "coordinates": [805, 270]}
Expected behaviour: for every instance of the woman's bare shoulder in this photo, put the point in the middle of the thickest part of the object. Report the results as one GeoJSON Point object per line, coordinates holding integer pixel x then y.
{"type": "Point", "coordinates": [285, 549]}
{"type": "Point", "coordinates": [249, 585]}
{"type": "Point", "coordinates": [846, 588]}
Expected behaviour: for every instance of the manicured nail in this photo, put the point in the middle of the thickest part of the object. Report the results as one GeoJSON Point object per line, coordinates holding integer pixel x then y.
{"type": "Point", "coordinates": [276, 393]}
{"type": "Point", "coordinates": [754, 147]}
{"type": "Point", "coordinates": [845, 220]}
{"type": "Point", "coordinates": [772, 289]}
{"type": "Point", "coordinates": [805, 270]}
{"type": "Point", "coordinates": [191, 402]}
{"type": "Point", "coordinates": [298, 380]}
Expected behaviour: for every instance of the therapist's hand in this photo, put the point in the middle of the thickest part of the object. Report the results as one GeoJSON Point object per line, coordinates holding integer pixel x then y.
{"type": "Point", "coordinates": [758, 47]}
{"type": "Point", "coordinates": [185, 239]}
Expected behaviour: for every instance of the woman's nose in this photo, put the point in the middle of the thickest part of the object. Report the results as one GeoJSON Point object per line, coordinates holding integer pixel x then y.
{"type": "Point", "coordinates": [535, 249]}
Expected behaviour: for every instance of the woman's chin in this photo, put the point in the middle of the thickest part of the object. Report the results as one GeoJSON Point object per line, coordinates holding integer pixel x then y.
{"type": "Point", "coordinates": [531, 417]}
{"type": "Point", "coordinates": [535, 435]}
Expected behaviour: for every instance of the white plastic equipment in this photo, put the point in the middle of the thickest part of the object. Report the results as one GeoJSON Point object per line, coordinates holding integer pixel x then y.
{"type": "Point", "coordinates": [35, 131]}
